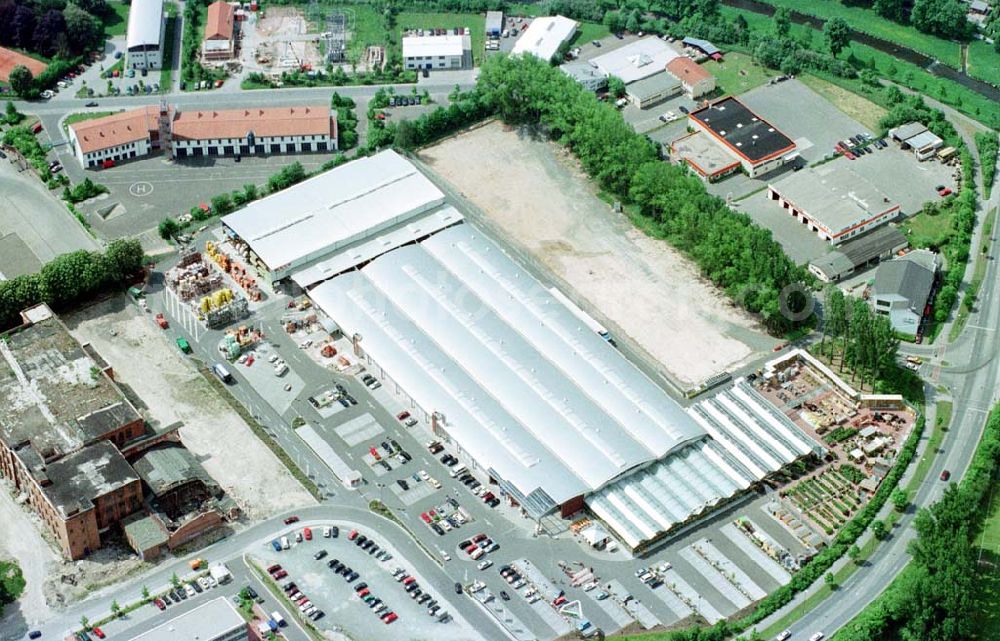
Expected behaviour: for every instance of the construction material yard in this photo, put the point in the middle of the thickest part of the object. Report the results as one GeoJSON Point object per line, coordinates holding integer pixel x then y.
{"type": "Point", "coordinates": [174, 391]}
{"type": "Point", "coordinates": [535, 195]}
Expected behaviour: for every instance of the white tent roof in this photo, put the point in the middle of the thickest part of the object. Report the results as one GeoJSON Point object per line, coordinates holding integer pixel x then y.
{"type": "Point", "coordinates": [447, 45]}
{"type": "Point", "coordinates": [321, 215]}
{"type": "Point", "coordinates": [145, 19]}
{"type": "Point", "coordinates": [524, 387]}
{"type": "Point", "coordinates": [544, 36]}
{"type": "Point", "coordinates": [636, 60]}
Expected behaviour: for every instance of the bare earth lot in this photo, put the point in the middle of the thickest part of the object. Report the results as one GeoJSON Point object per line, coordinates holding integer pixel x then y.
{"type": "Point", "coordinates": [175, 391]}
{"type": "Point", "coordinates": [537, 197]}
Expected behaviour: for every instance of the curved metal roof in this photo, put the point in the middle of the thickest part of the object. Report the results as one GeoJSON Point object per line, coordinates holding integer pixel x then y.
{"type": "Point", "coordinates": [524, 386]}
{"type": "Point", "coordinates": [145, 18]}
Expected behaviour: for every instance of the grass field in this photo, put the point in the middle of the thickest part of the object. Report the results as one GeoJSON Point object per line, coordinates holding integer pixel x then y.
{"type": "Point", "coordinates": [984, 62]}
{"type": "Point", "coordinates": [857, 107]}
{"type": "Point", "coordinates": [972, 104]}
{"type": "Point", "coordinates": [167, 72]}
{"type": "Point", "coordinates": [923, 230]}
{"type": "Point", "coordinates": [116, 22]}
{"type": "Point", "coordinates": [867, 21]}
{"type": "Point", "coordinates": [476, 24]}
{"type": "Point", "coordinates": [589, 31]}
{"type": "Point", "coordinates": [737, 73]}
{"type": "Point", "coordinates": [988, 617]}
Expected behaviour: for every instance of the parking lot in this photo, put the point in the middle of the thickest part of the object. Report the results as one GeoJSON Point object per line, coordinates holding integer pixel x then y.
{"type": "Point", "coordinates": [341, 599]}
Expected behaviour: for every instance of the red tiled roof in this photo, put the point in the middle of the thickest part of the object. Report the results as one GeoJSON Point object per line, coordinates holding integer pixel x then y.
{"type": "Point", "coordinates": [687, 71]}
{"type": "Point", "coordinates": [263, 121]}
{"type": "Point", "coordinates": [10, 59]}
{"type": "Point", "coordinates": [117, 129]}
{"type": "Point", "coordinates": [219, 24]}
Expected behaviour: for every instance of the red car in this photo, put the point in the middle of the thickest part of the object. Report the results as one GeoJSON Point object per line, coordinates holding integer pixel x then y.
{"type": "Point", "coordinates": [408, 580]}
{"type": "Point", "coordinates": [849, 155]}
{"type": "Point", "coordinates": [489, 496]}
{"type": "Point", "coordinates": [99, 633]}
{"type": "Point", "coordinates": [107, 163]}
{"type": "Point", "coordinates": [403, 415]}
{"type": "Point", "coordinates": [353, 535]}
{"type": "Point", "coordinates": [945, 192]}
{"type": "Point", "coordinates": [308, 533]}
{"type": "Point", "coordinates": [274, 568]}
{"type": "Point", "coordinates": [389, 618]}
{"type": "Point", "coordinates": [291, 519]}
{"type": "Point", "coordinates": [363, 593]}
{"type": "Point", "coordinates": [479, 537]}
{"type": "Point", "coordinates": [280, 574]}
{"type": "Point", "coordinates": [159, 603]}
{"type": "Point", "coordinates": [375, 453]}
{"type": "Point", "coordinates": [472, 547]}
{"type": "Point", "coordinates": [425, 517]}
{"type": "Point", "coordinates": [945, 475]}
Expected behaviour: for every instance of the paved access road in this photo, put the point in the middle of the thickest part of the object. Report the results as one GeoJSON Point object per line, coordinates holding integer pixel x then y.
{"type": "Point", "coordinates": [974, 379]}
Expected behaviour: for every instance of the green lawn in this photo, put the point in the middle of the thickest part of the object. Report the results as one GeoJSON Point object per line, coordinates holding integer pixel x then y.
{"type": "Point", "coordinates": [923, 230]}
{"type": "Point", "coordinates": [984, 62]}
{"type": "Point", "coordinates": [867, 21]}
{"type": "Point", "coordinates": [116, 22]}
{"type": "Point", "coordinates": [737, 73]}
{"type": "Point", "coordinates": [167, 72]}
{"type": "Point", "coordinates": [474, 22]}
{"type": "Point", "coordinates": [86, 115]}
{"type": "Point", "coordinates": [988, 618]}
{"type": "Point", "coordinates": [589, 31]}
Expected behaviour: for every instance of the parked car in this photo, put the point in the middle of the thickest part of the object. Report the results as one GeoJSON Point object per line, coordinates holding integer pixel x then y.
{"type": "Point", "coordinates": [291, 519]}
{"type": "Point", "coordinates": [945, 475]}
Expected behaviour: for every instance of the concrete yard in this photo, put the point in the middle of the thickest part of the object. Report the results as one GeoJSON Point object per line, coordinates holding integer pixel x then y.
{"type": "Point", "coordinates": [642, 287]}
{"type": "Point", "coordinates": [804, 116]}
{"type": "Point", "coordinates": [174, 391]}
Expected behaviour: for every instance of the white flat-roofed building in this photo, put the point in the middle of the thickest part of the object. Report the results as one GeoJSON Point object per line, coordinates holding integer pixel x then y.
{"type": "Point", "coordinates": [833, 201]}
{"type": "Point", "coordinates": [544, 36]}
{"type": "Point", "coordinates": [450, 51]}
{"type": "Point", "coordinates": [144, 38]}
{"type": "Point", "coordinates": [310, 221]}
{"type": "Point", "coordinates": [215, 620]}
{"type": "Point", "coordinates": [527, 391]}
{"type": "Point", "coordinates": [586, 74]}
{"type": "Point", "coordinates": [636, 60]}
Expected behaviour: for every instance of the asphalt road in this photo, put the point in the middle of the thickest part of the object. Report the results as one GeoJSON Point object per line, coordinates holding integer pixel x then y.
{"type": "Point", "coordinates": [974, 380]}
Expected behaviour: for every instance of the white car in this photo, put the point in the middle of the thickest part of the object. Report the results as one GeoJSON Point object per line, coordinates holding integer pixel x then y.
{"type": "Point", "coordinates": [424, 475]}
{"type": "Point", "coordinates": [327, 531]}
{"type": "Point", "coordinates": [590, 586]}
{"type": "Point", "coordinates": [817, 636]}
{"type": "Point", "coordinates": [203, 582]}
{"type": "Point", "coordinates": [445, 525]}
{"type": "Point", "coordinates": [784, 635]}
{"type": "Point", "coordinates": [298, 537]}
{"type": "Point", "coordinates": [190, 591]}
{"type": "Point", "coordinates": [211, 581]}
{"type": "Point", "coordinates": [485, 564]}
{"type": "Point", "coordinates": [272, 358]}
{"type": "Point", "coordinates": [434, 482]}
{"type": "Point", "coordinates": [444, 555]}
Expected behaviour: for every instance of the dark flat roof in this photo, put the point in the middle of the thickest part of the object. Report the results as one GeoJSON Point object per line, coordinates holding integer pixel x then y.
{"type": "Point", "coordinates": [742, 130]}
{"type": "Point", "coordinates": [84, 475]}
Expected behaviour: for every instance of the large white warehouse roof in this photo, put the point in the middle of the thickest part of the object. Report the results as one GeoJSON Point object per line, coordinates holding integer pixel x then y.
{"type": "Point", "coordinates": [321, 215]}
{"type": "Point", "coordinates": [636, 60]}
{"type": "Point", "coordinates": [528, 390]}
{"type": "Point", "coordinates": [544, 36]}
{"type": "Point", "coordinates": [145, 19]}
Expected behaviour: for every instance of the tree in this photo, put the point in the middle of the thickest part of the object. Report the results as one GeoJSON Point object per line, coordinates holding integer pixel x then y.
{"type": "Point", "coordinates": [891, 9]}
{"type": "Point", "coordinates": [632, 24]}
{"type": "Point", "coordinates": [168, 228]}
{"type": "Point", "coordinates": [116, 610]}
{"type": "Point", "coordinates": [94, 7]}
{"type": "Point", "coordinates": [900, 499]}
{"type": "Point", "coordinates": [878, 529]}
{"type": "Point", "coordinates": [175, 580]}
{"type": "Point", "coordinates": [123, 258]}
{"type": "Point", "coordinates": [616, 87]}
{"type": "Point", "coordinates": [782, 22]}
{"type": "Point", "coordinates": [21, 81]}
{"type": "Point", "coordinates": [836, 33]}
{"type": "Point", "coordinates": [50, 33]}
{"type": "Point", "coordinates": [145, 593]}
{"type": "Point", "coordinates": [84, 622]}
{"type": "Point", "coordinates": [83, 30]}
{"type": "Point", "coordinates": [830, 580]}
{"type": "Point", "coordinates": [23, 26]}
{"type": "Point", "coordinates": [222, 204]}
{"type": "Point", "coordinates": [12, 116]}
{"type": "Point", "coordinates": [614, 21]}
{"type": "Point", "coordinates": [944, 18]}
{"type": "Point", "coordinates": [854, 552]}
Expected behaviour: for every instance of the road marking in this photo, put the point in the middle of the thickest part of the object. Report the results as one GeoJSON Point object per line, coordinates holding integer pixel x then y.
{"type": "Point", "coordinates": [985, 329]}
{"type": "Point", "coordinates": [140, 189]}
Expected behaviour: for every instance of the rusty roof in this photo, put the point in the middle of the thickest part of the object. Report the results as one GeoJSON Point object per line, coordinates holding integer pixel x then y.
{"type": "Point", "coordinates": [687, 70]}
{"type": "Point", "coordinates": [219, 24]}
{"type": "Point", "coordinates": [262, 121]}
{"type": "Point", "coordinates": [117, 129]}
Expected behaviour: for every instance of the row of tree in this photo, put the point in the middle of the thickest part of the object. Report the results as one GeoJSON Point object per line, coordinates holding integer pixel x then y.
{"type": "Point", "coordinates": [70, 278]}
{"type": "Point", "coordinates": [52, 27]}
{"type": "Point", "coordinates": [939, 596]}
{"type": "Point", "coordinates": [864, 342]}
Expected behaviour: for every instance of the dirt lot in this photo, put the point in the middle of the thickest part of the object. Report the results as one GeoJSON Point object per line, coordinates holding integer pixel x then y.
{"type": "Point", "coordinates": [280, 41]}
{"type": "Point", "coordinates": [174, 391]}
{"type": "Point", "coordinates": [642, 286]}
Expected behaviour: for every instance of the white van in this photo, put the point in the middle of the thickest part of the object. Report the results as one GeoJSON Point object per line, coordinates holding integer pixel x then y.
{"type": "Point", "coordinates": [458, 471]}
{"type": "Point", "coordinates": [223, 373]}
{"type": "Point", "coordinates": [277, 618]}
{"type": "Point", "coordinates": [327, 531]}
{"type": "Point", "coordinates": [284, 543]}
